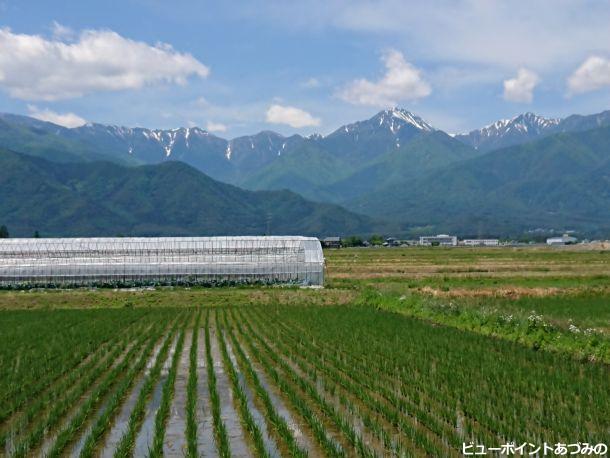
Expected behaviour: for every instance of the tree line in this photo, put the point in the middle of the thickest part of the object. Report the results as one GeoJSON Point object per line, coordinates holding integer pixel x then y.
{"type": "Point", "coordinates": [4, 234]}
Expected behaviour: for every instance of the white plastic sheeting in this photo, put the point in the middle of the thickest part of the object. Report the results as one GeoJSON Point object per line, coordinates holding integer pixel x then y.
{"type": "Point", "coordinates": [161, 260]}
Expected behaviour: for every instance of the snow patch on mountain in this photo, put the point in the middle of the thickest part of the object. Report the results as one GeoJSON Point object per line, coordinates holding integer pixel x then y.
{"type": "Point", "coordinates": [228, 151]}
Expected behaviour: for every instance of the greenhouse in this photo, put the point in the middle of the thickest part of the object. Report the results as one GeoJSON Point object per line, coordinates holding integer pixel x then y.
{"type": "Point", "coordinates": [162, 260]}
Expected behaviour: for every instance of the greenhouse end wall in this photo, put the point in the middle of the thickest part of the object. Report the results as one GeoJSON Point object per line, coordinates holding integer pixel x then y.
{"type": "Point", "coordinates": [160, 260]}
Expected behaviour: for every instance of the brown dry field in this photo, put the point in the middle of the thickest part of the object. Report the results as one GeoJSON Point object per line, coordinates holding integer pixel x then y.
{"type": "Point", "coordinates": [503, 272]}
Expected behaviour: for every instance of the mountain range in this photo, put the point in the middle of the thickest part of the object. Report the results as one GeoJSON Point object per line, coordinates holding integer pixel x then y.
{"type": "Point", "coordinates": [394, 167]}
{"type": "Point", "coordinates": [527, 127]}
{"type": "Point", "coordinates": [561, 181]}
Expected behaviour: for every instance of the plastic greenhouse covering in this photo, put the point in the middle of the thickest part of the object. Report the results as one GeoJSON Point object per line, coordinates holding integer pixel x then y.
{"type": "Point", "coordinates": [160, 260]}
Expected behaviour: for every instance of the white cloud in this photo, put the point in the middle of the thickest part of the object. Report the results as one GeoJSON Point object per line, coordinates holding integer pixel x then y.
{"type": "Point", "coordinates": [533, 33]}
{"type": "Point", "coordinates": [402, 81]}
{"type": "Point", "coordinates": [521, 88]}
{"type": "Point", "coordinates": [61, 32]}
{"type": "Point", "coordinates": [593, 74]}
{"type": "Point", "coordinates": [36, 68]}
{"type": "Point", "coordinates": [292, 116]}
{"type": "Point", "coordinates": [62, 119]}
{"type": "Point", "coordinates": [215, 127]}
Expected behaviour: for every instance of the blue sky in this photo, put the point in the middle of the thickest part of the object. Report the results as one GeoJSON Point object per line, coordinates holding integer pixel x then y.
{"type": "Point", "coordinates": [243, 66]}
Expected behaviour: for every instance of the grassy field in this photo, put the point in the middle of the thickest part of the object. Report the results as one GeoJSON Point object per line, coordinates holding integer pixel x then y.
{"type": "Point", "coordinates": [406, 352]}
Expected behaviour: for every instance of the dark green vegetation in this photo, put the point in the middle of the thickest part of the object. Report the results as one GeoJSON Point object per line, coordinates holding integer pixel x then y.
{"type": "Point", "coordinates": [169, 199]}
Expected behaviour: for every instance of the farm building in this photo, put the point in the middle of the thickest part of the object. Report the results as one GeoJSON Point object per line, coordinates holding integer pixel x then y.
{"type": "Point", "coordinates": [331, 242]}
{"type": "Point", "coordinates": [565, 239]}
{"type": "Point", "coordinates": [481, 242]}
{"type": "Point", "coordinates": [438, 240]}
{"type": "Point", "coordinates": [163, 260]}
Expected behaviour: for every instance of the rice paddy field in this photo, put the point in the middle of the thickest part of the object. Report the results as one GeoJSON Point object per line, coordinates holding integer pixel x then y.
{"type": "Point", "coordinates": [405, 352]}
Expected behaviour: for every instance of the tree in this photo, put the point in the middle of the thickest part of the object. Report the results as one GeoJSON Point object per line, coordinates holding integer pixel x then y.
{"type": "Point", "coordinates": [4, 232]}
{"type": "Point", "coordinates": [352, 240]}
{"type": "Point", "coordinates": [376, 239]}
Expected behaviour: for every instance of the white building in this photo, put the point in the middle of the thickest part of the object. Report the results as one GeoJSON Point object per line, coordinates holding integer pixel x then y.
{"type": "Point", "coordinates": [438, 240]}
{"type": "Point", "coordinates": [481, 242]}
{"type": "Point", "coordinates": [565, 239]}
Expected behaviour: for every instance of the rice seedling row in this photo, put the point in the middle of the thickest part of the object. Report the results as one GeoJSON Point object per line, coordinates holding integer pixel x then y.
{"type": "Point", "coordinates": [239, 394]}
{"type": "Point", "coordinates": [60, 408]}
{"type": "Point", "coordinates": [381, 420]}
{"type": "Point", "coordinates": [127, 442]}
{"type": "Point", "coordinates": [370, 384]}
{"type": "Point", "coordinates": [26, 370]}
{"type": "Point", "coordinates": [109, 381]}
{"type": "Point", "coordinates": [191, 403]}
{"type": "Point", "coordinates": [273, 418]}
{"type": "Point", "coordinates": [330, 446]}
{"type": "Point", "coordinates": [368, 394]}
{"type": "Point", "coordinates": [168, 392]}
{"type": "Point", "coordinates": [102, 424]}
{"type": "Point", "coordinates": [309, 387]}
{"type": "Point", "coordinates": [220, 430]}
{"type": "Point", "coordinates": [441, 378]}
{"type": "Point", "coordinates": [19, 422]}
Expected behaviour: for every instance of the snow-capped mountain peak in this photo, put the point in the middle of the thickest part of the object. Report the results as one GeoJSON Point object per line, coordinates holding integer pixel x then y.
{"type": "Point", "coordinates": [396, 118]}
{"type": "Point", "coordinates": [410, 118]}
{"type": "Point", "coordinates": [526, 122]}
{"type": "Point", "coordinates": [397, 121]}
{"type": "Point", "coordinates": [506, 132]}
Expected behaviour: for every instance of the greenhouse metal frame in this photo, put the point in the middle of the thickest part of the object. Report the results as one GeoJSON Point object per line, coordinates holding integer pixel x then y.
{"type": "Point", "coordinates": [139, 261]}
